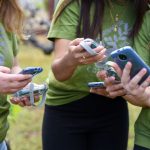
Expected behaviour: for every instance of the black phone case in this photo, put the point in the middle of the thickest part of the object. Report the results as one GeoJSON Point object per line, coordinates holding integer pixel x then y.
{"type": "Point", "coordinates": [127, 54]}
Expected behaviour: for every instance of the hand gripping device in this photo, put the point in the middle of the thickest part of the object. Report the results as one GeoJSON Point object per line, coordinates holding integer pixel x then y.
{"type": "Point", "coordinates": [33, 89]}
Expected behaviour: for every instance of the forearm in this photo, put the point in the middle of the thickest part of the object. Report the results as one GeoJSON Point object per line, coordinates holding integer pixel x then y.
{"type": "Point", "coordinates": [136, 101]}
{"type": "Point", "coordinates": [62, 68]}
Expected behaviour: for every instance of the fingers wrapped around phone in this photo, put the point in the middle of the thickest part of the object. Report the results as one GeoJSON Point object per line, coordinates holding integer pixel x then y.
{"type": "Point", "coordinates": [114, 88]}
{"type": "Point", "coordinates": [87, 58]}
{"type": "Point", "coordinates": [128, 83]}
{"type": "Point", "coordinates": [132, 85]}
{"type": "Point", "coordinates": [82, 57]}
{"type": "Point", "coordinates": [24, 100]}
{"type": "Point", "coordinates": [21, 101]}
{"type": "Point", "coordinates": [100, 91]}
{"type": "Point", "coordinates": [78, 55]}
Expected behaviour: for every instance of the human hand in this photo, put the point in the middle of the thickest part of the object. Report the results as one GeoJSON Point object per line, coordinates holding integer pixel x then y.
{"type": "Point", "coordinates": [100, 91]}
{"type": "Point", "coordinates": [140, 92]}
{"type": "Point", "coordinates": [24, 100]}
{"type": "Point", "coordinates": [30, 95]}
{"type": "Point", "coordinates": [113, 87]}
{"type": "Point", "coordinates": [79, 56]}
{"type": "Point", "coordinates": [10, 83]}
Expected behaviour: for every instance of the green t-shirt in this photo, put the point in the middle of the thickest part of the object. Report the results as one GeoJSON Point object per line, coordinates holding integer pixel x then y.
{"type": "Point", "coordinates": [76, 87]}
{"type": "Point", "coordinates": [142, 46]}
{"type": "Point", "coordinates": [8, 49]}
{"type": "Point", "coordinates": [65, 27]}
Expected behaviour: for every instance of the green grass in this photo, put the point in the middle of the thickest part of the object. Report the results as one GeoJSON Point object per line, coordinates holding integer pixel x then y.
{"type": "Point", "coordinates": [26, 123]}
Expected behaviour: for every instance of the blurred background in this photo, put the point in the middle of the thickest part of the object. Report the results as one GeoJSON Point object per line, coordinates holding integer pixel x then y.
{"type": "Point", "coordinates": [26, 123]}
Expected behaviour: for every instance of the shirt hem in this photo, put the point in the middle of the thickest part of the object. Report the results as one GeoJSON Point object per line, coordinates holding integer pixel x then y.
{"type": "Point", "coordinates": [142, 141]}
{"type": "Point", "coordinates": [56, 103]}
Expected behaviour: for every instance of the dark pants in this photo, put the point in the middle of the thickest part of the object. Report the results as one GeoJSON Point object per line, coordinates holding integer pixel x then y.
{"type": "Point", "coordinates": [92, 123]}
{"type": "Point", "coordinates": [136, 147]}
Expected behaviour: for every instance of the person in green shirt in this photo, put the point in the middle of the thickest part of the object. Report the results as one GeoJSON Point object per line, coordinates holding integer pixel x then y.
{"type": "Point", "coordinates": [138, 95]}
{"type": "Point", "coordinates": [141, 94]}
{"type": "Point", "coordinates": [10, 82]}
{"type": "Point", "coordinates": [74, 118]}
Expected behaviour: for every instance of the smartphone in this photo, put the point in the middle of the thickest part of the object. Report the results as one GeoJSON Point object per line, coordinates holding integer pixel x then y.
{"type": "Point", "coordinates": [89, 44]}
{"type": "Point", "coordinates": [32, 70]}
{"type": "Point", "coordinates": [110, 72]}
{"type": "Point", "coordinates": [128, 54]}
{"type": "Point", "coordinates": [38, 89]}
{"type": "Point", "coordinates": [96, 85]}
{"type": "Point", "coordinates": [34, 90]}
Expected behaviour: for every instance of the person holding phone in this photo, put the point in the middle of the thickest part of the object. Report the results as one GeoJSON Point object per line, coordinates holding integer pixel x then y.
{"type": "Point", "coordinates": [74, 118]}
{"type": "Point", "coordinates": [136, 94]}
{"type": "Point", "coordinates": [10, 81]}
{"type": "Point", "coordinates": [140, 93]}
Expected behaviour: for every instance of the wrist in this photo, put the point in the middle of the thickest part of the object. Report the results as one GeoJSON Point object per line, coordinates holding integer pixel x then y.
{"type": "Point", "coordinates": [70, 60]}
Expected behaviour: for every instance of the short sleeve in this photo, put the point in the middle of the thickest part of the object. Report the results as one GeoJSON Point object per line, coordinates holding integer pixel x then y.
{"type": "Point", "coordinates": [142, 40]}
{"type": "Point", "coordinates": [66, 25]}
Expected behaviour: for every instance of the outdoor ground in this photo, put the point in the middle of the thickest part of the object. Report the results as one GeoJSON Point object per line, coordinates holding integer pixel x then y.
{"type": "Point", "coordinates": [26, 123]}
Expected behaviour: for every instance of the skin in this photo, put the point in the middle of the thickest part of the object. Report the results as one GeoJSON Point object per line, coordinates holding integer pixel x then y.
{"type": "Point", "coordinates": [139, 94]}
{"type": "Point", "coordinates": [12, 82]}
{"type": "Point", "coordinates": [23, 101]}
{"type": "Point", "coordinates": [112, 89]}
{"type": "Point", "coordinates": [129, 89]}
{"type": "Point", "coordinates": [71, 56]}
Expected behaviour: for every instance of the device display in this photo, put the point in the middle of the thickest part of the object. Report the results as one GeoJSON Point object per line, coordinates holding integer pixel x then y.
{"type": "Point", "coordinates": [127, 54]}
{"type": "Point", "coordinates": [31, 70]}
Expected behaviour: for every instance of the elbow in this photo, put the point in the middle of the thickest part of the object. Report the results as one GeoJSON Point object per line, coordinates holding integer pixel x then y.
{"type": "Point", "coordinates": [59, 78]}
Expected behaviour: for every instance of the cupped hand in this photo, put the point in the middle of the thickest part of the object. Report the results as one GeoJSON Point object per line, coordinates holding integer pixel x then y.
{"type": "Point", "coordinates": [113, 88]}
{"type": "Point", "coordinates": [140, 92]}
{"type": "Point", "coordinates": [80, 56]}
{"type": "Point", "coordinates": [24, 100]}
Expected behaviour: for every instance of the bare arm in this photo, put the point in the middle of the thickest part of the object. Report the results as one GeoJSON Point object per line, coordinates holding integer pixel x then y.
{"type": "Point", "coordinates": [62, 66]}
{"type": "Point", "coordinates": [69, 54]}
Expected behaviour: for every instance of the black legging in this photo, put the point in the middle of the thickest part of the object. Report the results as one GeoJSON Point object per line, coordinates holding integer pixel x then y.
{"type": "Point", "coordinates": [92, 123]}
{"type": "Point", "coordinates": [136, 147]}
